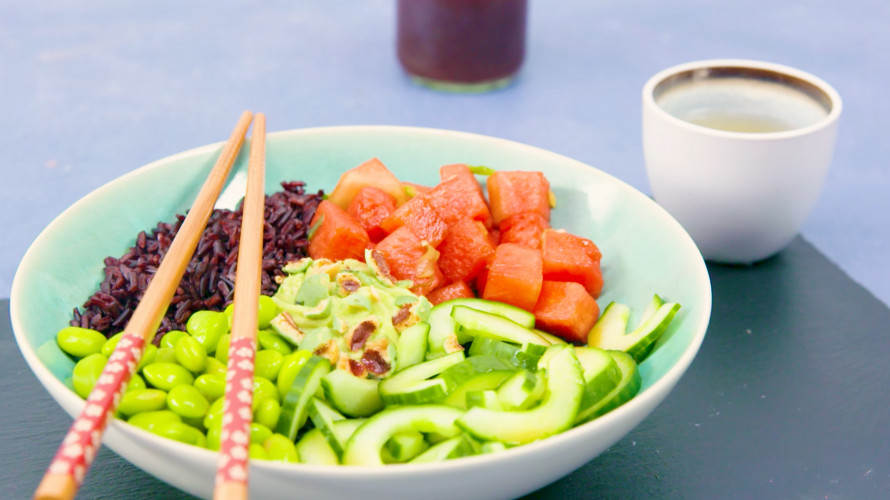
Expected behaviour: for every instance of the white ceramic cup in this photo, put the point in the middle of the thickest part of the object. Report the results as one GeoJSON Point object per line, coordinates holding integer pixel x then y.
{"type": "Point", "coordinates": [743, 181]}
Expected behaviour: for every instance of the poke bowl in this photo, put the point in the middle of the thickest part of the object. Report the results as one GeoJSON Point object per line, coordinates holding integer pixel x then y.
{"type": "Point", "coordinates": [644, 251]}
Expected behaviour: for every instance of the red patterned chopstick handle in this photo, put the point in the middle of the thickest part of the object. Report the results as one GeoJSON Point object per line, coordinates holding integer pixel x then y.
{"type": "Point", "coordinates": [76, 452]}
{"type": "Point", "coordinates": [237, 413]}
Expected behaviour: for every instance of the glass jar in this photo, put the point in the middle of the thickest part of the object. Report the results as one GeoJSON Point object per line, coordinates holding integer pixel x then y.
{"type": "Point", "coordinates": [462, 45]}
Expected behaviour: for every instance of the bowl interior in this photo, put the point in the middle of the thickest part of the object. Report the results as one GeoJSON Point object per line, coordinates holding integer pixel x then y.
{"type": "Point", "coordinates": [644, 250]}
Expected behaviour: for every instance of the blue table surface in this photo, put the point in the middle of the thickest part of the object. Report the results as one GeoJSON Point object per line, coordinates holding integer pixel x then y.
{"type": "Point", "coordinates": [92, 90]}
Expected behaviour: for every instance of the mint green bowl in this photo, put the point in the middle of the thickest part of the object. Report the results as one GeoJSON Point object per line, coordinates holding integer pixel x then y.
{"type": "Point", "coordinates": [644, 251]}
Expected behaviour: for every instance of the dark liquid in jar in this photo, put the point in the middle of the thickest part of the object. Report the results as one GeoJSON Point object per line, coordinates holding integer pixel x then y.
{"type": "Point", "coordinates": [461, 41]}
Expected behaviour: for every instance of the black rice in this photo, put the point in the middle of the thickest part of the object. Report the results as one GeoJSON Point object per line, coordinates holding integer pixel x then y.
{"type": "Point", "coordinates": [208, 282]}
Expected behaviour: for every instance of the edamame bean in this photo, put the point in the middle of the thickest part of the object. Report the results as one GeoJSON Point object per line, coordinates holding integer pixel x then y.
{"type": "Point", "coordinates": [187, 401]}
{"type": "Point", "coordinates": [207, 327]}
{"type": "Point", "coordinates": [290, 366]}
{"type": "Point", "coordinates": [263, 389]}
{"type": "Point", "coordinates": [149, 355]}
{"type": "Point", "coordinates": [269, 339]}
{"type": "Point", "coordinates": [179, 431]}
{"type": "Point", "coordinates": [140, 400]}
{"type": "Point", "coordinates": [136, 382]}
{"type": "Point", "coordinates": [267, 363]}
{"type": "Point", "coordinates": [80, 342]}
{"type": "Point", "coordinates": [279, 447]}
{"type": "Point", "coordinates": [211, 385]}
{"type": "Point", "coordinates": [146, 420]}
{"type": "Point", "coordinates": [165, 355]}
{"type": "Point", "coordinates": [267, 413]}
{"type": "Point", "coordinates": [214, 366]}
{"type": "Point", "coordinates": [259, 433]}
{"type": "Point", "coordinates": [267, 311]}
{"type": "Point", "coordinates": [190, 354]}
{"type": "Point", "coordinates": [213, 436]}
{"type": "Point", "coordinates": [222, 348]}
{"type": "Point", "coordinates": [86, 372]}
{"type": "Point", "coordinates": [166, 376]}
{"type": "Point", "coordinates": [256, 451]}
{"type": "Point", "coordinates": [172, 337]}
{"type": "Point", "coordinates": [229, 311]}
{"type": "Point", "coordinates": [110, 344]}
{"type": "Point", "coordinates": [214, 414]}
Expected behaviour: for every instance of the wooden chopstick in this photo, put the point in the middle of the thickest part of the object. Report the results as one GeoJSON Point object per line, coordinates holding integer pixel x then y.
{"type": "Point", "coordinates": [75, 454]}
{"type": "Point", "coordinates": [231, 472]}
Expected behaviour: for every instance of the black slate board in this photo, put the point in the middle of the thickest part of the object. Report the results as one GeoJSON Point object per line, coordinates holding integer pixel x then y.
{"type": "Point", "coordinates": [785, 400]}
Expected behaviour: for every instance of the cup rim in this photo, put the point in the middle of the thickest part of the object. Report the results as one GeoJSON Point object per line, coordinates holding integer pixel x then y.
{"type": "Point", "coordinates": [834, 99]}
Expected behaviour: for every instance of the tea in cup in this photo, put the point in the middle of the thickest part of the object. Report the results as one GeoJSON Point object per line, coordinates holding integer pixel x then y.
{"type": "Point", "coordinates": [737, 151]}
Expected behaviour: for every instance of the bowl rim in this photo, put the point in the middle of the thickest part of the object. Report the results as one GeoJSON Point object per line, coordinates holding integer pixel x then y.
{"type": "Point", "coordinates": [652, 395]}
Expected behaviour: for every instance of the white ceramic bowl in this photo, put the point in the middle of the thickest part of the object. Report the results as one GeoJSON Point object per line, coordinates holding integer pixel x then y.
{"type": "Point", "coordinates": [644, 251]}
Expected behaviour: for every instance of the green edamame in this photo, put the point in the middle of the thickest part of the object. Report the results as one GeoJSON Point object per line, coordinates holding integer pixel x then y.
{"type": "Point", "coordinates": [269, 339]}
{"type": "Point", "coordinates": [213, 436]}
{"type": "Point", "coordinates": [267, 311]}
{"type": "Point", "coordinates": [207, 327]}
{"type": "Point", "coordinates": [256, 451]}
{"type": "Point", "coordinates": [179, 431]}
{"type": "Point", "coordinates": [146, 420]}
{"type": "Point", "coordinates": [136, 382]}
{"type": "Point", "coordinates": [80, 342]}
{"type": "Point", "coordinates": [214, 366]}
{"type": "Point", "coordinates": [164, 355]}
{"type": "Point", "coordinates": [222, 348]}
{"type": "Point", "coordinates": [267, 412]}
{"type": "Point", "coordinates": [110, 344]}
{"type": "Point", "coordinates": [280, 448]}
{"type": "Point", "coordinates": [149, 355]}
{"type": "Point", "coordinates": [190, 354]}
{"type": "Point", "coordinates": [172, 337]}
{"type": "Point", "coordinates": [267, 363]}
{"type": "Point", "coordinates": [263, 389]}
{"type": "Point", "coordinates": [166, 375]}
{"type": "Point", "coordinates": [142, 400]}
{"type": "Point", "coordinates": [187, 401]}
{"type": "Point", "coordinates": [259, 433]}
{"type": "Point", "coordinates": [86, 372]}
{"type": "Point", "coordinates": [211, 385]}
{"type": "Point", "coordinates": [214, 414]}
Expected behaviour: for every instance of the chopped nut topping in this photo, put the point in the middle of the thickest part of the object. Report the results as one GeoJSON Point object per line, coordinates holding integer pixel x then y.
{"type": "Point", "coordinates": [360, 334]}
{"type": "Point", "coordinates": [356, 368]}
{"type": "Point", "coordinates": [374, 362]}
{"type": "Point", "coordinates": [382, 266]}
{"type": "Point", "coordinates": [328, 350]}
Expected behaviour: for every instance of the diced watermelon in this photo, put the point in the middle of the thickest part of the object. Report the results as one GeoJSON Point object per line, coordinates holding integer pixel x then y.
{"type": "Point", "coordinates": [459, 170]}
{"type": "Point", "coordinates": [370, 173]}
{"type": "Point", "coordinates": [515, 276]}
{"type": "Point", "coordinates": [566, 310]}
{"type": "Point", "coordinates": [458, 197]}
{"type": "Point", "coordinates": [511, 193]}
{"type": "Point", "coordinates": [418, 216]}
{"type": "Point", "coordinates": [525, 229]}
{"type": "Point", "coordinates": [465, 251]}
{"type": "Point", "coordinates": [409, 258]}
{"type": "Point", "coordinates": [369, 207]}
{"type": "Point", "coordinates": [336, 235]}
{"type": "Point", "coordinates": [455, 290]}
{"type": "Point", "coordinates": [567, 257]}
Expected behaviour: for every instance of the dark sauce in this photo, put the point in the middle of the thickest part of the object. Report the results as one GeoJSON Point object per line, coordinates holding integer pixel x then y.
{"type": "Point", "coordinates": [461, 41]}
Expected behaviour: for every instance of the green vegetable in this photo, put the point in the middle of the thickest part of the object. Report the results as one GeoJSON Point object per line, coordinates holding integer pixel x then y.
{"type": "Point", "coordinates": [207, 327]}
{"type": "Point", "coordinates": [187, 401]}
{"type": "Point", "coordinates": [80, 342]}
{"type": "Point", "coordinates": [172, 337]}
{"type": "Point", "coordinates": [166, 375]}
{"type": "Point", "coordinates": [280, 449]}
{"type": "Point", "coordinates": [142, 400]}
{"type": "Point", "coordinates": [86, 372]}
{"type": "Point", "coordinates": [190, 354]}
{"type": "Point", "coordinates": [267, 363]}
{"type": "Point", "coordinates": [148, 419]}
{"type": "Point", "coordinates": [211, 385]}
